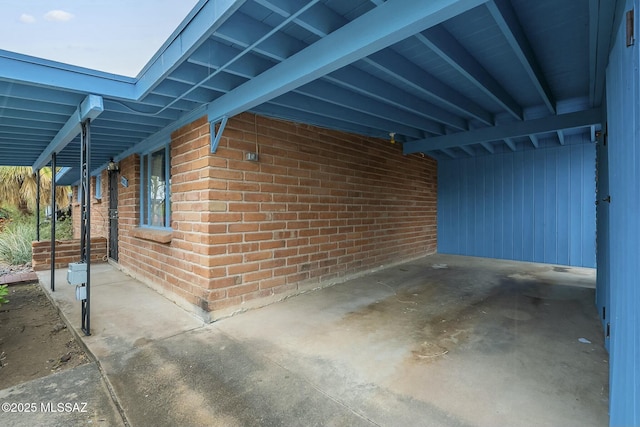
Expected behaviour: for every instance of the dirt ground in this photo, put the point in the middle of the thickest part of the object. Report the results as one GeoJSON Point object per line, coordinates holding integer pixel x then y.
{"type": "Point", "coordinates": [34, 341]}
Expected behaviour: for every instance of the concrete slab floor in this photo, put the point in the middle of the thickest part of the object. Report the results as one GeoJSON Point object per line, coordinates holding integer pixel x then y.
{"type": "Point", "coordinates": [124, 312]}
{"type": "Point", "coordinates": [442, 341]}
{"type": "Point", "coordinates": [446, 340]}
{"type": "Point", "coordinates": [74, 397]}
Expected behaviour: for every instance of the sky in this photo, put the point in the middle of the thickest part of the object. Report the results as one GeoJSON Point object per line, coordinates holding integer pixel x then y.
{"type": "Point", "coordinates": [116, 36]}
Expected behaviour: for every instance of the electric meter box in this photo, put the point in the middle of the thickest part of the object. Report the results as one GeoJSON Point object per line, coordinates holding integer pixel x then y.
{"type": "Point", "coordinates": [81, 293]}
{"type": "Point", "coordinates": [77, 273]}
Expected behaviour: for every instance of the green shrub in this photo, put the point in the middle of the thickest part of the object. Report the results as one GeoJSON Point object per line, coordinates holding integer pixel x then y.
{"type": "Point", "coordinates": [64, 230]}
{"type": "Point", "coordinates": [20, 231]}
{"type": "Point", "coordinates": [4, 291]}
{"type": "Point", "coordinates": [15, 243]}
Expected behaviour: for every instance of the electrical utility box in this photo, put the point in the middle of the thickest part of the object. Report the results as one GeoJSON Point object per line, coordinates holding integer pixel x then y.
{"type": "Point", "coordinates": [81, 293]}
{"type": "Point", "coordinates": [77, 273]}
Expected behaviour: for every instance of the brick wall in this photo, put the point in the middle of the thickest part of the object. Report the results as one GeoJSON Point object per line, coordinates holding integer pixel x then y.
{"type": "Point", "coordinates": [99, 209]}
{"type": "Point", "coordinates": [66, 251]}
{"type": "Point", "coordinates": [157, 258]}
{"type": "Point", "coordinates": [318, 207]}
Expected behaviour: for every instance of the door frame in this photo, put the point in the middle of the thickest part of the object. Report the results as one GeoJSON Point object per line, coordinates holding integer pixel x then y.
{"type": "Point", "coordinates": [113, 215]}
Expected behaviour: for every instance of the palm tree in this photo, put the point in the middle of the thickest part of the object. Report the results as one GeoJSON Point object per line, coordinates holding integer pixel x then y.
{"type": "Point", "coordinates": [18, 186]}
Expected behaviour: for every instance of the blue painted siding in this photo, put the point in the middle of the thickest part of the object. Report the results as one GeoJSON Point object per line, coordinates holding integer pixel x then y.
{"type": "Point", "coordinates": [535, 205]}
{"type": "Point", "coordinates": [623, 108]}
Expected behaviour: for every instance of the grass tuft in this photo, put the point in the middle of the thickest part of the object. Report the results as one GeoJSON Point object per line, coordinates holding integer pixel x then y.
{"type": "Point", "coordinates": [15, 243]}
{"type": "Point", "coordinates": [17, 235]}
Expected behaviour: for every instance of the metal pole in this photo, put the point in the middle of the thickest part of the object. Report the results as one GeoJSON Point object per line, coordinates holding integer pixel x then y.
{"type": "Point", "coordinates": [53, 222]}
{"type": "Point", "coordinates": [85, 245]}
{"type": "Point", "coordinates": [38, 205]}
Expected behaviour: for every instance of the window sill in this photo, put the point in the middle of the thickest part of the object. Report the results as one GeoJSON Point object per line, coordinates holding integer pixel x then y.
{"type": "Point", "coordinates": [155, 235]}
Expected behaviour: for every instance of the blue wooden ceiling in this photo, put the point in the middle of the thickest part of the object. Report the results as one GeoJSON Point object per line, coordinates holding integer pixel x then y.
{"type": "Point", "coordinates": [449, 77]}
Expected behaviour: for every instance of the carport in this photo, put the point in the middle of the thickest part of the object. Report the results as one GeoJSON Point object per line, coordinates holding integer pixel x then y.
{"type": "Point", "coordinates": [508, 96]}
{"type": "Point", "coordinates": [444, 340]}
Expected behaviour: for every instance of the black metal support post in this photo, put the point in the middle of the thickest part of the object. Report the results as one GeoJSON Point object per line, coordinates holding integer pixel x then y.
{"type": "Point", "coordinates": [53, 222]}
{"type": "Point", "coordinates": [38, 205]}
{"type": "Point", "coordinates": [85, 219]}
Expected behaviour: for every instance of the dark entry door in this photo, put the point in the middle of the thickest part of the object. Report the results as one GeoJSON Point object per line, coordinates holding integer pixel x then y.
{"type": "Point", "coordinates": [113, 215]}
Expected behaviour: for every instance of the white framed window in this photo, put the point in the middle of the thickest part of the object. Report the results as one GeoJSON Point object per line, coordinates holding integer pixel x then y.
{"type": "Point", "coordinates": [155, 189]}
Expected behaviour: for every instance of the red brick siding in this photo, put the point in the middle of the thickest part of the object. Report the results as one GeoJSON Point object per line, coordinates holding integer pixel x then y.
{"type": "Point", "coordinates": [99, 210]}
{"type": "Point", "coordinates": [66, 251]}
{"type": "Point", "coordinates": [319, 206]}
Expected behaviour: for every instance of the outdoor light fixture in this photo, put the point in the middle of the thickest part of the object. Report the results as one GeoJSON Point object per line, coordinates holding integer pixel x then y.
{"type": "Point", "coordinates": [392, 136]}
{"type": "Point", "coordinates": [112, 166]}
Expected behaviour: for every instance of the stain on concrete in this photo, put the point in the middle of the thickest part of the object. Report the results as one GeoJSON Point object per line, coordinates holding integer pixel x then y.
{"type": "Point", "coordinates": [478, 314]}
{"type": "Point", "coordinates": [484, 342]}
{"type": "Point", "coordinates": [141, 342]}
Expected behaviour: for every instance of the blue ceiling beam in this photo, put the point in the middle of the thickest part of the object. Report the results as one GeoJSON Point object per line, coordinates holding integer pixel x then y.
{"type": "Point", "coordinates": [172, 89]}
{"type": "Point", "coordinates": [367, 34]}
{"type": "Point", "coordinates": [487, 145]}
{"type": "Point", "coordinates": [62, 172]}
{"type": "Point", "coordinates": [162, 100]}
{"type": "Point", "coordinates": [560, 137]}
{"type": "Point", "coordinates": [508, 130]}
{"type": "Point", "coordinates": [135, 110]}
{"type": "Point", "coordinates": [40, 94]}
{"type": "Point", "coordinates": [448, 48]}
{"type": "Point", "coordinates": [216, 54]}
{"type": "Point", "coordinates": [602, 15]}
{"type": "Point", "coordinates": [44, 133]}
{"type": "Point", "coordinates": [45, 73]}
{"type": "Point", "coordinates": [448, 152]}
{"type": "Point", "coordinates": [26, 123]}
{"type": "Point", "coordinates": [265, 38]}
{"type": "Point", "coordinates": [6, 136]}
{"type": "Point", "coordinates": [451, 51]}
{"type": "Point", "coordinates": [31, 106]}
{"type": "Point", "coordinates": [364, 83]}
{"type": "Point", "coordinates": [407, 72]}
{"type": "Point", "coordinates": [348, 77]}
{"type": "Point", "coordinates": [36, 116]}
{"type": "Point", "coordinates": [326, 21]}
{"type": "Point", "coordinates": [468, 150]}
{"type": "Point", "coordinates": [323, 90]}
{"type": "Point", "coordinates": [132, 118]}
{"type": "Point", "coordinates": [321, 22]}
{"type": "Point", "coordinates": [292, 114]}
{"type": "Point", "coordinates": [535, 141]}
{"type": "Point", "coordinates": [162, 136]}
{"type": "Point", "coordinates": [19, 147]}
{"type": "Point", "coordinates": [245, 31]}
{"type": "Point", "coordinates": [191, 72]}
{"type": "Point", "coordinates": [205, 18]}
{"type": "Point", "coordinates": [510, 143]}
{"type": "Point", "coordinates": [135, 127]}
{"type": "Point", "coordinates": [329, 110]}
{"type": "Point", "coordinates": [507, 21]}
{"type": "Point", "coordinates": [118, 132]}
{"type": "Point", "coordinates": [90, 108]}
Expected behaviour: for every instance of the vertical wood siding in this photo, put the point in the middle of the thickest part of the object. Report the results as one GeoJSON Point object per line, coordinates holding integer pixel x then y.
{"type": "Point", "coordinates": [623, 105]}
{"type": "Point", "coordinates": [535, 205]}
